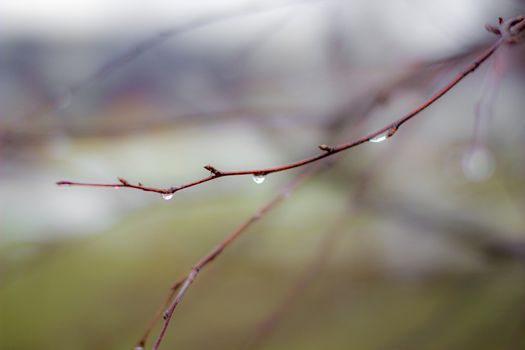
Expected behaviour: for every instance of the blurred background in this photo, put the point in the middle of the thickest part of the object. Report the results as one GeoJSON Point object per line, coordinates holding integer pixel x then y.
{"type": "Point", "coordinates": [417, 242]}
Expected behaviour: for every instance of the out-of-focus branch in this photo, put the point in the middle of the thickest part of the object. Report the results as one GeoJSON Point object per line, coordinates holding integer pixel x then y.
{"type": "Point", "coordinates": [329, 242]}
{"type": "Point", "coordinates": [470, 232]}
{"type": "Point", "coordinates": [147, 44]}
{"type": "Point", "coordinates": [188, 280]}
{"type": "Point", "coordinates": [173, 291]}
{"type": "Point", "coordinates": [327, 151]}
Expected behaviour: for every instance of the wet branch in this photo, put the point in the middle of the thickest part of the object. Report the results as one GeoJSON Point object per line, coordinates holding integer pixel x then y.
{"type": "Point", "coordinates": [327, 151]}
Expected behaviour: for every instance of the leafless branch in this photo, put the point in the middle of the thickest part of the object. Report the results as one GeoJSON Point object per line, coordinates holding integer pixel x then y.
{"type": "Point", "coordinates": [383, 133]}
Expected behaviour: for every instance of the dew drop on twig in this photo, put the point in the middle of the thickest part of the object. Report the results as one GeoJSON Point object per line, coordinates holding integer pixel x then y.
{"type": "Point", "coordinates": [383, 136]}
{"type": "Point", "coordinates": [478, 165]}
{"type": "Point", "coordinates": [378, 138]}
{"type": "Point", "coordinates": [259, 178]}
{"type": "Point", "coordinates": [167, 196]}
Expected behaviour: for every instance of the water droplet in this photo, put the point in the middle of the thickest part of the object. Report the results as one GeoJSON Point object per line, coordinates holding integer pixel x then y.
{"type": "Point", "coordinates": [379, 138]}
{"type": "Point", "coordinates": [259, 178]}
{"type": "Point", "coordinates": [64, 100]}
{"type": "Point", "coordinates": [478, 165]}
{"type": "Point", "coordinates": [167, 196]}
{"type": "Point", "coordinates": [138, 348]}
{"type": "Point", "coordinates": [116, 187]}
{"type": "Point", "coordinates": [383, 136]}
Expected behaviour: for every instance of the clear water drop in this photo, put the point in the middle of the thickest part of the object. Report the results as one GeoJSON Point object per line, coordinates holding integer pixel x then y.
{"type": "Point", "coordinates": [478, 165]}
{"type": "Point", "coordinates": [259, 178]}
{"type": "Point", "coordinates": [378, 138]}
{"type": "Point", "coordinates": [383, 136]}
{"type": "Point", "coordinates": [167, 196]}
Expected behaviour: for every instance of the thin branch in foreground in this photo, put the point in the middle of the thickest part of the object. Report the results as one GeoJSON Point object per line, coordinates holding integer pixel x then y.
{"type": "Point", "coordinates": [328, 151]}
{"type": "Point", "coordinates": [188, 280]}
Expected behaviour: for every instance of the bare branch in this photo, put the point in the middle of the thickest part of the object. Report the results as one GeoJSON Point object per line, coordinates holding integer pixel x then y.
{"type": "Point", "coordinates": [376, 136]}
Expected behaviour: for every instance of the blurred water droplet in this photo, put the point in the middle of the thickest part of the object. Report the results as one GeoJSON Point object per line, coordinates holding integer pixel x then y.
{"type": "Point", "coordinates": [138, 348]}
{"type": "Point", "coordinates": [116, 187]}
{"type": "Point", "coordinates": [477, 165]}
{"type": "Point", "coordinates": [167, 196]}
{"type": "Point", "coordinates": [64, 100]}
{"type": "Point", "coordinates": [259, 179]}
{"type": "Point", "coordinates": [380, 138]}
{"type": "Point", "coordinates": [59, 146]}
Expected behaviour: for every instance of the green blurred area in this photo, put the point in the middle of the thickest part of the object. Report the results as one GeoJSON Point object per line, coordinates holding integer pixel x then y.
{"type": "Point", "coordinates": [100, 291]}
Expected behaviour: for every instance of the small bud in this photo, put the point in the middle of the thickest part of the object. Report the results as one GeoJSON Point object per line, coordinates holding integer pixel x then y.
{"type": "Point", "coordinates": [123, 181]}
{"type": "Point", "coordinates": [326, 148]}
{"type": "Point", "coordinates": [492, 29]}
{"type": "Point", "coordinates": [212, 169]}
{"type": "Point", "coordinates": [391, 131]}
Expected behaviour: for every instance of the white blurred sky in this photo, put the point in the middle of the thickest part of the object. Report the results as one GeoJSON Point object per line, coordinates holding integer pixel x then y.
{"type": "Point", "coordinates": [414, 26]}
{"type": "Point", "coordinates": [96, 16]}
{"type": "Point", "coordinates": [85, 17]}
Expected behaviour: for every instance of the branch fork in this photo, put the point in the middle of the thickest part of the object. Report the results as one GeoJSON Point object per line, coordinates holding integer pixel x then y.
{"type": "Point", "coordinates": [511, 30]}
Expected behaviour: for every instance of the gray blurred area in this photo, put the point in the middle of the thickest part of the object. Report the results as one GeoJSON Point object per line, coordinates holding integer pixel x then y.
{"type": "Point", "coordinates": [417, 242]}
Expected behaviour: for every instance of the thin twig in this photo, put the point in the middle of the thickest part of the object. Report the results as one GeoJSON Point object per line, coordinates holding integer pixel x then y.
{"type": "Point", "coordinates": [328, 151]}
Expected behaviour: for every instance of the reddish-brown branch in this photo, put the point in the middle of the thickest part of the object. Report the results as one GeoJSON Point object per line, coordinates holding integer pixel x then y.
{"type": "Point", "coordinates": [328, 151]}
{"type": "Point", "coordinates": [188, 280]}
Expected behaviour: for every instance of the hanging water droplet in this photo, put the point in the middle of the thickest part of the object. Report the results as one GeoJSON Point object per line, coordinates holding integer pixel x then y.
{"type": "Point", "coordinates": [116, 187]}
{"type": "Point", "coordinates": [138, 348]}
{"type": "Point", "coordinates": [259, 178]}
{"type": "Point", "coordinates": [383, 136]}
{"type": "Point", "coordinates": [64, 100]}
{"type": "Point", "coordinates": [379, 138]}
{"type": "Point", "coordinates": [167, 196]}
{"type": "Point", "coordinates": [477, 165]}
